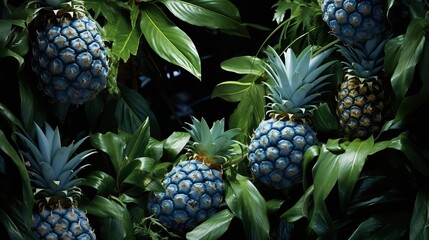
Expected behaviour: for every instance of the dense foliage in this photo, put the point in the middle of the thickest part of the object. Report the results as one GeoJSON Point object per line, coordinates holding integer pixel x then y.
{"type": "Point", "coordinates": [351, 188]}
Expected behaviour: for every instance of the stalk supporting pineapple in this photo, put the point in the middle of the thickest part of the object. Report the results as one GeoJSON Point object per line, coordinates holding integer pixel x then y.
{"type": "Point", "coordinates": [53, 170]}
{"type": "Point", "coordinates": [68, 52]}
{"type": "Point", "coordinates": [355, 20]}
{"type": "Point", "coordinates": [278, 145]}
{"type": "Point", "coordinates": [194, 187]}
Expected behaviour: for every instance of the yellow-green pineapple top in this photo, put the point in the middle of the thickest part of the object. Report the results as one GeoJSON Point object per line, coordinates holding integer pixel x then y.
{"type": "Point", "coordinates": [214, 145]}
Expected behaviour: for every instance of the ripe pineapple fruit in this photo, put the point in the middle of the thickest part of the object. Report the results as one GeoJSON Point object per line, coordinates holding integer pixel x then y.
{"type": "Point", "coordinates": [53, 170]}
{"type": "Point", "coordinates": [194, 188]}
{"type": "Point", "coordinates": [68, 52]}
{"type": "Point", "coordinates": [355, 20]}
{"type": "Point", "coordinates": [361, 103]}
{"type": "Point", "coordinates": [278, 144]}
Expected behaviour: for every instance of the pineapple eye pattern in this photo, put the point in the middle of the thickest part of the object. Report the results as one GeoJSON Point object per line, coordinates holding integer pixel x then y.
{"type": "Point", "coordinates": [193, 193]}
{"type": "Point", "coordinates": [69, 56]}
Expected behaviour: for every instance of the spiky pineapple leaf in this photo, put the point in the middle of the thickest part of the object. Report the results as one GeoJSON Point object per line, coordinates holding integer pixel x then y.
{"type": "Point", "coordinates": [169, 41]}
{"type": "Point", "coordinates": [243, 65]}
{"type": "Point", "coordinates": [420, 218]}
{"type": "Point", "coordinates": [212, 228]}
{"type": "Point", "coordinates": [240, 194]}
{"type": "Point", "coordinates": [219, 14]}
{"type": "Point", "coordinates": [123, 34]}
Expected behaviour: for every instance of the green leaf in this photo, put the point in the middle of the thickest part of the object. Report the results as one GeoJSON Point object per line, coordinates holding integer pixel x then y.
{"type": "Point", "coordinates": [392, 225]}
{"type": "Point", "coordinates": [93, 111]}
{"type": "Point", "coordinates": [244, 65]}
{"type": "Point", "coordinates": [112, 144]}
{"type": "Point", "coordinates": [175, 143]}
{"type": "Point", "coordinates": [232, 91]}
{"type": "Point", "coordinates": [132, 109]}
{"type": "Point", "coordinates": [169, 41]}
{"type": "Point", "coordinates": [27, 191]}
{"type": "Point", "coordinates": [125, 38]}
{"type": "Point", "coordinates": [155, 149]}
{"type": "Point", "coordinates": [420, 220]}
{"type": "Point", "coordinates": [136, 146]}
{"type": "Point", "coordinates": [240, 194]}
{"type": "Point", "coordinates": [221, 14]}
{"type": "Point", "coordinates": [324, 120]}
{"type": "Point", "coordinates": [13, 40]}
{"type": "Point", "coordinates": [407, 56]}
{"type": "Point", "coordinates": [350, 167]}
{"type": "Point", "coordinates": [326, 175]}
{"type": "Point", "coordinates": [251, 108]}
{"type": "Point", "coordinates": [108, 9]}
{"type": "Point", "coordinates": [212, 228]}
{"type": "Point", "coordinates": [300, 208]}
{"type": "Point", "coordinates": [101, 181]}
{"type": "Point", "coordinates": [136, 172]}
{"type": "Point", "coordinates": [114, 219]}
{"type": "Point", "coordinates": [13, 229]}
{"type": "Point", "coordinates": [33, 110]}
{"type": "Point", "coordinates": [273, 205]}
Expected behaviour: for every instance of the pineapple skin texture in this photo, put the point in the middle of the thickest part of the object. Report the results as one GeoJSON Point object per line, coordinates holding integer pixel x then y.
{"type": "Point", "coordinates": [62, 223]}
{"type": "Point", "coordinates": [360, 107]}
{"type": "Point", "coordinates": [70, 60]}
{"type": "Point", "coordinates": [193, 193]}
{"type": "Point", "coordinates": [355, 20]}
{"type": "Point", "coordinates": [276, 152]}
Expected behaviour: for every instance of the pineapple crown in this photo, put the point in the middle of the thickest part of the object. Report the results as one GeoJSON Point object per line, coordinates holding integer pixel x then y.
{"type": "Point", "coordinates": [296, 80]}
{"type": "Point", "coordinates": [52, 167]}
{"type": "Point", "coordinates": [54, 9]}
{"type": "Point", "coordinates": [364, 60]}
{"type": "Point", "coordinates": [213, 146]}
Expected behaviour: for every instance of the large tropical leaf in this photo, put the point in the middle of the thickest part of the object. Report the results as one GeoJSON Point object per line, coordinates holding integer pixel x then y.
{"type": "Point", "coordinates": [251, 108]}
{"type": "Point", "coordinates": [112, 144]}
{"type": "Point", "coordinates": [169, 41]}
{"type": "Point", "coordinates": [244, 65]}
{"type": "Point", "coordinates": [383, 226]}
{"type": "Point", "coordinates": [221, 14]}
{"type": "Point", "coordinates": [132, 109]}
{"type": "Point", "coordinates": [175, 143]}
{"type": "Point", "coordinates": [420, 220]}
{"type": "Point", "coordinates": [212, 228]}
{"type": "Point", "coordinates": [124, 34]}
{"type": "Point", "coordinates": [115, 220]}
{"type": "Point", "coordinates": [137, 144]}
{"type": "Point", "coordinates": [401, 62]}
{"type": "Point", "coordinates": [240, 194]}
